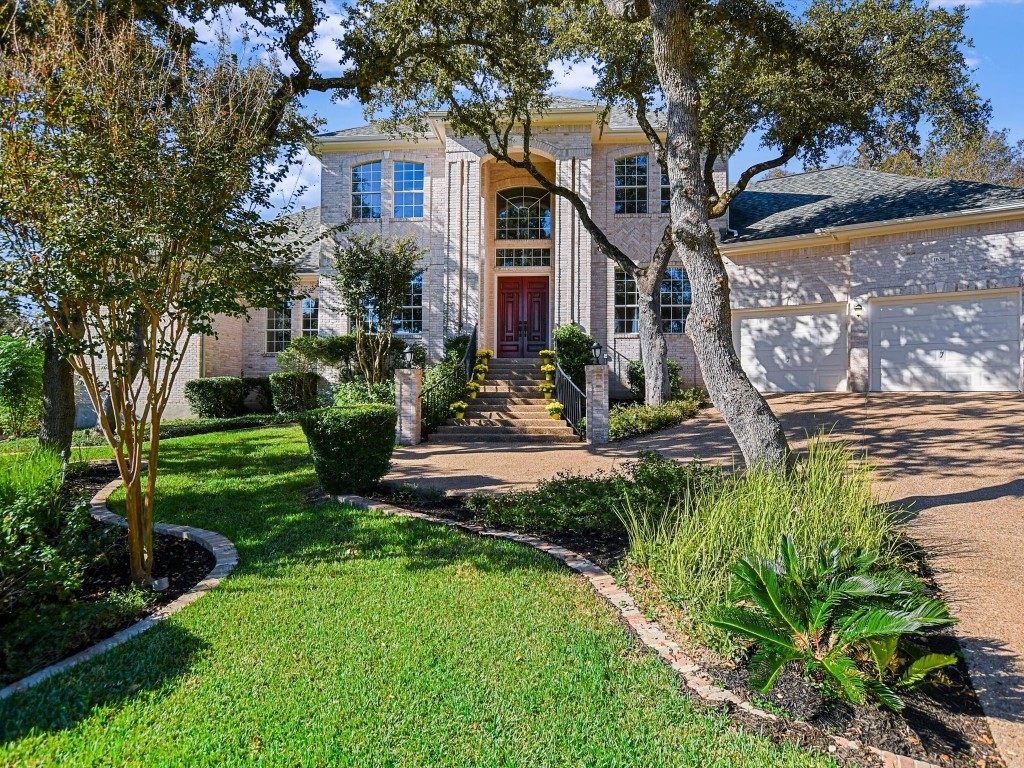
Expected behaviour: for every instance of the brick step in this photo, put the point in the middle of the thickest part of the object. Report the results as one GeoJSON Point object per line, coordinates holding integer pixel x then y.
{"type": "Point", "coordinates": [508, 420]}
{"type": "Point", "coordinates": [505, 387]}
{"type": "Point", "coordinates": [514, 375]}
{"type": "Point", "coordinates": [521, 411]}
{"type": "Point", "coordinates": [506, 398]}
{"type": "Point", "coordinates": [551, 428]}
{"type": "Point", "coordinates": [475, 436]}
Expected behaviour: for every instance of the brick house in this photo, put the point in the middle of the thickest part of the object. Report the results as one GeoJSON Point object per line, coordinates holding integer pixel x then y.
{"type": "Point", "coordinates": [842, 280]}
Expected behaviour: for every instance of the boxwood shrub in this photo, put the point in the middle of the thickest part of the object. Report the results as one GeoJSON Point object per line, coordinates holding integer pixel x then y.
{"type": "Point", "coordinates": [258, 397]}
{"type": "Point", "coordinates": [217, 397]}
{"type": "Point", "coordinates": [351, 446]}
{"type": "Point", "coordinates": [293, 392]}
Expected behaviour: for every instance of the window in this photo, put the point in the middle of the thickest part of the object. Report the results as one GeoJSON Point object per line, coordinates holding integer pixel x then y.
{"type": "Point", "coordinates": [666, 194]}
{"type": "Point", "coordinates": [676, 299]}
{"type": "Point", "coordinates": [408, 190]}
{"type": "Point", "coordinates": [310, 317]}
{"type": "Point", "coordinates": [279, 328]}
{"type": "Point", "coordinates": [627, 313]}
{"type": "Point", "coordinates": [366, 191]}
{"type": "Point", "coordinates": [523, 257]}
{"type": "Point", "coordinates": [631, 184]}
{"type": "Point", "coordinates": [524, 213]}
{"type": "Point", "coordinates": [409, 315]}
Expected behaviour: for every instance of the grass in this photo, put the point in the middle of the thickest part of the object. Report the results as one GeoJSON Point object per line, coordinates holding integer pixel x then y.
{"type": "Point", "coordinates": [345, 638]}
{"type": "Point", "coordinates": [687, 546]}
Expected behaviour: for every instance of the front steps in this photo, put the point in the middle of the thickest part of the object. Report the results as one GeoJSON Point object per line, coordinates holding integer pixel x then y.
{"type": "Point", "coordinates": [508, 409]}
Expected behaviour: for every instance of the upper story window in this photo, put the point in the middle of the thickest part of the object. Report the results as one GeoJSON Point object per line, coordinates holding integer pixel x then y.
{"type": "Point", "coordinates": [279, 328]}
{"type": "Point", "coordinates": [310, 317]}
{"type": "Point", "coordinates": [524, 213]}
{"type": "Point", "coordinates": [408, 316]}
{"type": "Point", "coordinates": [408, 190]}
{"type": "Point", "coordinates": [676, 299]}
{"type": "Point", "coordinates": [631, 184]}
{"type": "Point", "coordinates": [666, 194]}
{"type": "Point", "coordinates": [366, 190]}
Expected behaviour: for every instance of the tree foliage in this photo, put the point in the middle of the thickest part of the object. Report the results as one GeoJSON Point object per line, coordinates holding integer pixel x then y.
{"type": "Point", "coordinates": [21, 385]}
{"type": "Point", "coordinates": [373, 274]}
{"type": "Point", "coordinates": [132, 180]}
{"type": "Point", "coordinates": [989, 157]}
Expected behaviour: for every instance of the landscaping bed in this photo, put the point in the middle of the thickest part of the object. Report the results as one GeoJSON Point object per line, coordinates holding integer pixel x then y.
{"type": "Point", "coordinates": [107, 602]}
{"type": "Point", "coordinates": [942, 723]}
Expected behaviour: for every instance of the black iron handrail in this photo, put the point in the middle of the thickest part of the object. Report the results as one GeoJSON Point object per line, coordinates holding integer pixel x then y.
{"type": "Point", "coordinates": [436, 399]}
{"type": "Point", "coordinates": [571, 398]}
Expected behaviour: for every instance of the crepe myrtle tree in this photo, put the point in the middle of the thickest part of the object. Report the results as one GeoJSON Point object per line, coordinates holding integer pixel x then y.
{"type": "Point", "coordinates": [373, 274]}
{"type": "Point", "coordinates": [131, 180]}
{"type": "Point", "coordinates": [802, 80]}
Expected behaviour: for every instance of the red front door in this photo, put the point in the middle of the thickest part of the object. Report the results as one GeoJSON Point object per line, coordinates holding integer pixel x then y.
{"type": "Point", "coordinates": [522, 316]}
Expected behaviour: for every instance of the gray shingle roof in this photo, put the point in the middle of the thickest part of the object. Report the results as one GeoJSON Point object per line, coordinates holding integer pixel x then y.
{"type": "Point", "coordinates": [800, 204]}
{"type": "Point", "coordinates": [304, 226]}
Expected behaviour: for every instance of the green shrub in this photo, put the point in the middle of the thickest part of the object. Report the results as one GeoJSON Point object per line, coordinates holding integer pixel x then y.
{"type": "Point", "coordinates": [587, 504]}
{"type": "Point", "coordinates": [217, 397]}
{"type": "Point", "coordinates": [258, 396]}
{"type": "Point", "coordinates": [688, 546]}
{"type": "Point", "coordinates": [351, 447]}
{"type": "Point", "coordinates": [45, 548]}
{"type": "Point", "coordinates": [632, 419]}
{"type": "Point", "coordinates": [359, 393]}
{"type": "Point", "coordinates": [21, 385]}
{"type": "Point", "coordinates": [575, 350]}
{"type": "Point", "coordinates": [637, 380]}
{"type": "Point", "coordinates": [293, 392]}
{"type": "Point", "coordinates": [823, 612]}
{"type": "Point", "coordinates": [455, 347]}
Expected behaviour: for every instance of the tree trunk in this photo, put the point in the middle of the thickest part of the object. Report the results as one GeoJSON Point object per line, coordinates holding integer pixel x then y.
{"type": "Point", "coordinates": [140, 531]}
{"type": "Point", "coordinates": [757, 430]}
{"type": "Point", "coordinates": [653, 346]}
{"type": "Point", "coordinates": [59, 402]}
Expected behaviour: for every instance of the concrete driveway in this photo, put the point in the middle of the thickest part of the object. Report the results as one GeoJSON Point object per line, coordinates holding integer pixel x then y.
{"type": "Point", "coordinates": [955, 460]}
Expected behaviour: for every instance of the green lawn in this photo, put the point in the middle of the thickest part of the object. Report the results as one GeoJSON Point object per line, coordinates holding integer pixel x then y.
{"type": "Point", "coordinates": [348, 639]}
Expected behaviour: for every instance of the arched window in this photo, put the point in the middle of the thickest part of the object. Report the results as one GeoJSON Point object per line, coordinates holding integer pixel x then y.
{"type": "Point", "coordinates": [366, 190]}
{"type": "Point", "coordinates": [631, 184]}
{"type": "Point", "coordinates": [524, 213]}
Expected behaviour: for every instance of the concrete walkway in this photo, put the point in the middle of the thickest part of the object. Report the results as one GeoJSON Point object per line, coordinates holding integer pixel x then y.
{"type": "Point", "coordinates": [956, 460]}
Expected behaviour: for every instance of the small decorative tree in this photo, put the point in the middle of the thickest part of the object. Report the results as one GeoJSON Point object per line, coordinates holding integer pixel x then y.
{"type": "Point", "coordinates": [131, 180]}
{"type": "Point", "coordinates": [373, 275]}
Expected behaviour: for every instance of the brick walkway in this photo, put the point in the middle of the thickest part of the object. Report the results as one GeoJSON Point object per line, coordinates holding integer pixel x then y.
{"type": "Point", "coordinates": [956, 459]}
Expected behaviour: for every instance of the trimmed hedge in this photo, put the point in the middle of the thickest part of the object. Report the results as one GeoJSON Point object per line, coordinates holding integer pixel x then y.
{"type": "Point", "coordinates": [293, 392]}
{"type": "Point", "coordinates": [190, 427]}
{"type": "Point", "coordinates": [258, 397]}
{"type": "Point", "coordinates": [575, 350]}
{"type": "Point", "coordinates": [351, 446]}
{"type": "Point", "coordinates": [216, 397]}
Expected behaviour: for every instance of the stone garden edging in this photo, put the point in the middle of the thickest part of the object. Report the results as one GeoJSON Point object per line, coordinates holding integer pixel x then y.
{"type": "Point", "coordinates": [649, 632]}
{"type": "Point", "coordinates": [225, 557]}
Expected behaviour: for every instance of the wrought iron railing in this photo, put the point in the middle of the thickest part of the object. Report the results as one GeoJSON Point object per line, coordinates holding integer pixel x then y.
{"type": "Point", "coordinates": [572, 398]}
{"type": "Point", "coordinates": [436, 399]}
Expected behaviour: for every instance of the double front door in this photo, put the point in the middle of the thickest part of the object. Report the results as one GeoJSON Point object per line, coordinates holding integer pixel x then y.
{"type": "Point", "coordinates": [522, 316]}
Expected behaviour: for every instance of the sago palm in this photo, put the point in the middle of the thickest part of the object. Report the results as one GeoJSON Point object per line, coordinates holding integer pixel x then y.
{"type": "Point", "coordinates": [836, 613]}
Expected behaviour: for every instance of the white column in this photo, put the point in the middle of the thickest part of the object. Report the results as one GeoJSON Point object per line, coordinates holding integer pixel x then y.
{"type": "Point", "coordinates": [597, 404]}
{"type": "Point", "coordinates": [408, 387]}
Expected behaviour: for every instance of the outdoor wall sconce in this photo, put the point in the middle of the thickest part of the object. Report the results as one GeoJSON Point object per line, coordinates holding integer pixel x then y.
{"type": "Point", "coordinates": [857, 309]}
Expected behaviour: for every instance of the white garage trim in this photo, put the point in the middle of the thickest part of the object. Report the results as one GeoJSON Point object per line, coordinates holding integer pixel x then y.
{"type": "Point", "coordinates": [801, 348]}
{"type": "Point", "coordinates": [967, 341]}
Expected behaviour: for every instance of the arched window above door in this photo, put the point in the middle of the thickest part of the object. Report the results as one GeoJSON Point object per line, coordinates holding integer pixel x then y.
{"type": "Point", "coordinates": [523, 213]}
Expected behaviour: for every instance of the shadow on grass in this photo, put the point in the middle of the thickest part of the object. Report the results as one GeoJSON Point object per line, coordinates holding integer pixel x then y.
{"type": "Point", "coordinates": [145, 666]}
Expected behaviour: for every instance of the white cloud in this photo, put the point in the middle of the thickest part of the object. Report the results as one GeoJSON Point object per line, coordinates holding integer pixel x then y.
{"type": "Point", "coordinates": [972, 3]}
{"type": "Point", "coordinates": [327, 31]}
{"type": "Point", "coordinates": [574, 79]}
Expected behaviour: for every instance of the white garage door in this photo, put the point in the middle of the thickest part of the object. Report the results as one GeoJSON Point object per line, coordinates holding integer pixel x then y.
{"type": "Point", "coordinates": [794, 350]}
{"type": "Point", "coordinates": [958, 343]}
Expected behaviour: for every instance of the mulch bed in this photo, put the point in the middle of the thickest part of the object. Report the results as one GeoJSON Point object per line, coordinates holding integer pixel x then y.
{"type": "Point", "coordinates": [941, 724]}
{"type": "Point", "coordinates": [184, 563]}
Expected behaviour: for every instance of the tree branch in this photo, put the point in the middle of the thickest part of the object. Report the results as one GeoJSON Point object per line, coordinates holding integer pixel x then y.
{"type": "Point", "coordinates": [720, 207]}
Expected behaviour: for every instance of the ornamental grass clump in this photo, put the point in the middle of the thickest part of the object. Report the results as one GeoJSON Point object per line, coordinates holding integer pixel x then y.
{"type": "Point", "coordinates": [689, 545]}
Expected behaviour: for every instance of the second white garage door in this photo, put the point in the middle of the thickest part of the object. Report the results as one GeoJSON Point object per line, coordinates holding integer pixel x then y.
{"type": "Point", "coordinates": [794, 350]}
{"type": "Point", "coordinates": [967, 342]}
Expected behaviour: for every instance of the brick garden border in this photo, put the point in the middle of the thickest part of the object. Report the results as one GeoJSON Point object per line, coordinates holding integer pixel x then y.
{"type": "Point", "coordinates": [225, 557]}
{"type": "Point", "coordinates": [650, 633]}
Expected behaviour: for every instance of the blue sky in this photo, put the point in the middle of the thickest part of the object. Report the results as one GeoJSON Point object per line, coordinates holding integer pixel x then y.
{"type": "Point", "coordinates": [996, 27]}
